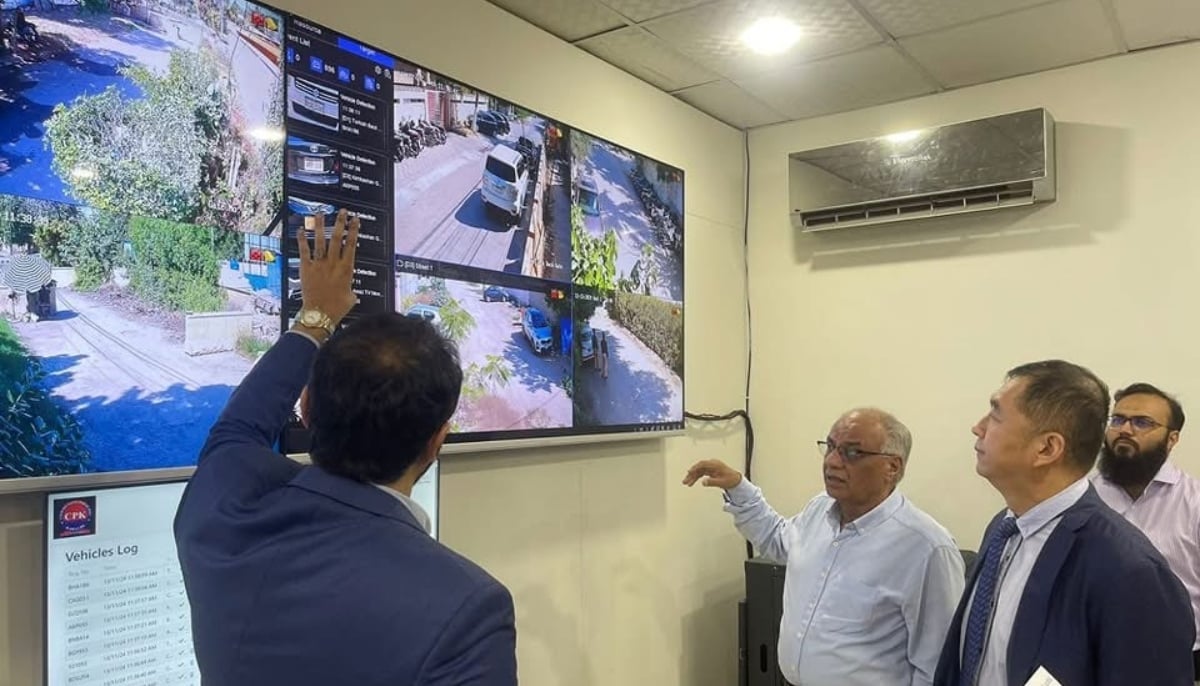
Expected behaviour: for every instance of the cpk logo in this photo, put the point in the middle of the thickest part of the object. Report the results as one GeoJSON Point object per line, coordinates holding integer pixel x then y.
{"type": "Point", "coordinates": [76, 517]}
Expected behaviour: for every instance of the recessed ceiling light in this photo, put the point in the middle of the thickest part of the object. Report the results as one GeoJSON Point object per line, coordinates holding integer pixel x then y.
{"type": "Point", "coordinates": [771, 35]}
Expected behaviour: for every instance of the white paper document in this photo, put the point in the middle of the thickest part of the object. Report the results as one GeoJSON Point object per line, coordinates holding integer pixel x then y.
{"type": "Point", "coordinates": [1042, 677]}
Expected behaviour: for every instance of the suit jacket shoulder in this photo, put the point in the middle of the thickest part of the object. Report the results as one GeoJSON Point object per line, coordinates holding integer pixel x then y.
{"type": "Point", "coordinates": [1102, 607]}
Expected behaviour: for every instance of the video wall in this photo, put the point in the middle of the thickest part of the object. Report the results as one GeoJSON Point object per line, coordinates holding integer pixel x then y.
{"type": "Point", "coordinates": [157, 163]}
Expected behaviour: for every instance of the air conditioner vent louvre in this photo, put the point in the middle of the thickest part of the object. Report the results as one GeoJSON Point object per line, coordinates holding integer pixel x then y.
{"type": "Point", "coordinates": [959, 202]}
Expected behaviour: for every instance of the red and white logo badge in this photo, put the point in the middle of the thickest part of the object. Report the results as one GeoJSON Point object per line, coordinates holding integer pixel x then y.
{"type": "Point", "coordinates": [76, 517]}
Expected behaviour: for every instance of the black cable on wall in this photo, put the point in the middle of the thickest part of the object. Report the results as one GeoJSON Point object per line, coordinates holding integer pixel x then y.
{"type": "Point", "coordinates": [744, 413]}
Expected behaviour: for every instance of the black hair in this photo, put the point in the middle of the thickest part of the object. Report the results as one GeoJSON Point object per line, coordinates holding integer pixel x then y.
{"type": "Point", "coordinates": [1067, 399]}
{"type": "Point", "coordinates": [380, 389]}
{"type": "Point", "coordinates": [1142, 388]}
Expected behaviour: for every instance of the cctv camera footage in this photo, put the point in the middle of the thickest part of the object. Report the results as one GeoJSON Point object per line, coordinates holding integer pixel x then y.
{"type": "Point", "coordinates": [141, 158]}
{"type": "Point", "coordinates": [158, 161]}
{"type": "Point", "coordinates": [565, 250]}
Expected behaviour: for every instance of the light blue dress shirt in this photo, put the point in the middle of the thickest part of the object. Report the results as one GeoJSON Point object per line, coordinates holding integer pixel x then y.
{"type": "Point", "coordinates": [865, 604]}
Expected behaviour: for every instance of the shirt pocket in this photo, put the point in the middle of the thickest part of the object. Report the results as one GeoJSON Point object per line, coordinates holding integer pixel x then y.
{"type": "Point", "coordinates": [848, 605]}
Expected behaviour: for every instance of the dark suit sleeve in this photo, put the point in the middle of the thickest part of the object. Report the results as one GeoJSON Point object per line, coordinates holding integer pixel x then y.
{"type": "Point", "coordinates": [1145, 629]}
{"type": "Point", "coordinates": [479, 645]}
{"type": "Point", "coordinates": [261, 406]}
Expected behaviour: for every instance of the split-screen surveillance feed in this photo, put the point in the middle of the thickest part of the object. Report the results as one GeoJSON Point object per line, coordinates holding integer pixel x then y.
{"type": "Point", "coordinates": [560, 256]}
{"type": "Point", "coordinates": [141, 158]}
{"type": "Point", "coordinates": [505, 339]}
{"type": "Point", "coordinates": [627, 251]}
{"type": "Point", "coordinates": [159, 159]}
{"type": "Point", "coordinates": [485, 193]}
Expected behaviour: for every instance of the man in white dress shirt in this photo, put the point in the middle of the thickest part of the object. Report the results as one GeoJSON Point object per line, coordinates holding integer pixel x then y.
{"type": "Point", "coordinates": [1136, 479]}
{"type": "Point", "coordinates": [871, 581]}
{"type": "Point", "coordinates": [1063, 585]}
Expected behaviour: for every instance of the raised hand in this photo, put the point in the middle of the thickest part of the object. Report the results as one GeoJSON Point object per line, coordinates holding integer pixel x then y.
{"type": "Point", "coordinates": [327, 270]}
{"type": "Point", "coordinates": [716, 474]}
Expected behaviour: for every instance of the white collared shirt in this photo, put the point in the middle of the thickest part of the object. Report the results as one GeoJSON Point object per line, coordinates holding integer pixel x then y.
{"type": "Point", "coordinates": [1021, 553]}
{"type": "Point", "coordinates": [865, 604]}
{"type": "Point", "coordinates": [413, 506]}
{"type": "Point", "coordinates": [1168, 512]}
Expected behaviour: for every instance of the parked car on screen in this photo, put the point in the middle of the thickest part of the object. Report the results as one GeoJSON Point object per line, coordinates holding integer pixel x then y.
{"type": "Point", "coordinates": [495, 294]}
{"type": "Point", "coordinates": [502, 120]}
{"type": "Point", "coordinates": [505, 182]}
{"type": "Point", "coordinates": [537, 330]}
{"type": "Point", "coordinates": [529, 149]}
{"type": "Point", "coordinates": [429, 313]}
{"type": "Point", "coordinates": [489, 124]}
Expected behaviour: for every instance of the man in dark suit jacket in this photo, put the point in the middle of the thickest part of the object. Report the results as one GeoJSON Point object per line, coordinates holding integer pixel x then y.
{"type": "Point", "coordinates": [326, 574]}
{"type": "Point", "coordinates": [1063, 584]}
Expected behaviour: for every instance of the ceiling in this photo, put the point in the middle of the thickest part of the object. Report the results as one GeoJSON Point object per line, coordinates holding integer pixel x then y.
{"type": "Point", "coordinates": [854, 53]}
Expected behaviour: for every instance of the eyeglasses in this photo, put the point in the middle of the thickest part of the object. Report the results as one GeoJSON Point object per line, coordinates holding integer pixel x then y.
{"type": "Point", "coordinates": [1139, 423]}
{"type": "Point", "coordinates": [850, 452]}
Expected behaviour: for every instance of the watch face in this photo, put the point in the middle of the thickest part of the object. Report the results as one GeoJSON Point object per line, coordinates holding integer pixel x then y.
{"type": "Point", "coordinates": [310, 318]}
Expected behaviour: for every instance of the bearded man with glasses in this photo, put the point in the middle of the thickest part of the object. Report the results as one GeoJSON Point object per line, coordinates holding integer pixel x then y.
{"type": "Point", "coordinates": [872, 581]}
{"type": "Point", "coordinates": [1136, 479]}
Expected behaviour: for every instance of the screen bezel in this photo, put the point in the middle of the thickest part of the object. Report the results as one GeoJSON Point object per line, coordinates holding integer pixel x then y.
{"type": "Point", "coordinates": [456, 444]}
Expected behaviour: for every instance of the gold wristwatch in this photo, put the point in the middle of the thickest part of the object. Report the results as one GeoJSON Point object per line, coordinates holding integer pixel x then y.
{"type": "Point", "coordinates": [315, 319]}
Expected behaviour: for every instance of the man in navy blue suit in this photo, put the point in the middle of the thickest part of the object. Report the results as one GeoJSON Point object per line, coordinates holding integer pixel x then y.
{"type": "Point", "coordinates": [1064, 587]}
{"type": "Point", "coordinates": [326, 574]}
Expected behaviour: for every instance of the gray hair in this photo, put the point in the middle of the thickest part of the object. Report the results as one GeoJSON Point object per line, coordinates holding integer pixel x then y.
{"type": "Point", "coordinates": [898, 439]}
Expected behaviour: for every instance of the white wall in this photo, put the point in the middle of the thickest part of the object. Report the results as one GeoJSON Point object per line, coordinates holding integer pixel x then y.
{"type": "Point", "coordinates": [620, 575]}
{"type": "Point", "coordinates": [925, 318]}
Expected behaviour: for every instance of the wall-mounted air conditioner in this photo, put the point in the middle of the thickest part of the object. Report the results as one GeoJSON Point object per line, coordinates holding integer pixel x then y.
{"type": "Point", "coordinates": [986, 164]}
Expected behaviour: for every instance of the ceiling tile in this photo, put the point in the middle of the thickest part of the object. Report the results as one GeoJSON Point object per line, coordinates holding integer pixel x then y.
{"type": "Point", "coordinates": [641, 10]}
{"type": "Point", "coordinates": [837, 84]}
{"type": "Point", "coordinates": [709, 33]}
{"type": "Point", "coordinates": [730, 104]}
{"type": "Point", "coordinates": [647, 57]}
{"type": "Point", "coordinates": [1146, 23]}
{"type": "Point", "coordinates": [920, 16]}
{"type": "Point", "coordinates": [1043, 37]}
{"type": "Point", "coordinates": [567, 19]}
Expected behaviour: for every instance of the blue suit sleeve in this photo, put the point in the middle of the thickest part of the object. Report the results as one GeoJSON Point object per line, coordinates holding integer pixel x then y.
{"type": "Point", "coordinates": [1145, 629]}
{"type": "Point", "coordinates": [262, 404]}
{"type": "Point", "coordinates": [479, 645]}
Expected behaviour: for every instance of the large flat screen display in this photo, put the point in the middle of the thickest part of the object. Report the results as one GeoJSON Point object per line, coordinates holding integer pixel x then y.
{"type": "Point", "coordinates": [158, 160]}
{"type": "Point", "coordinates": [552, 258]}
{"type": "Point", "coordinates": [116, 608]}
